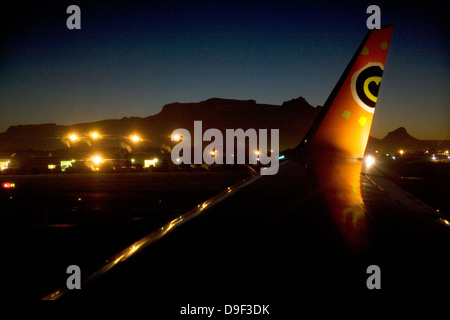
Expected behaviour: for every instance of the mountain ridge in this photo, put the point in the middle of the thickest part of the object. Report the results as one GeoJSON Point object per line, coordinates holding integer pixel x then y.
{"type": "Point", "coordinates": [293, 118]}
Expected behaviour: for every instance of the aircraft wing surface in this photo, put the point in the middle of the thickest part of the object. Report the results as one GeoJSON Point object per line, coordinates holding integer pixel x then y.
{"type": "Point", "coordinates": [278, 237]}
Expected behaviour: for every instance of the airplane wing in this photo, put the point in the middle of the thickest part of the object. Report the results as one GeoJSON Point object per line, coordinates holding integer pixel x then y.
{"type": "Point", "coordinates": [308, 233]}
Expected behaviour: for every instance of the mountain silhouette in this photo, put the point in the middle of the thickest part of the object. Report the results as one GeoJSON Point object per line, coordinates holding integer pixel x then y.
{"type": "Point", "coordinates": [293, 118]}
{"type": "Point", "coordinates": [397, 140]}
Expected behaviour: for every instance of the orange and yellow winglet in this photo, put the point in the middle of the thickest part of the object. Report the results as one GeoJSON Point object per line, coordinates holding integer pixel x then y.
{"type": "Point", "coordinates": [345, 124]}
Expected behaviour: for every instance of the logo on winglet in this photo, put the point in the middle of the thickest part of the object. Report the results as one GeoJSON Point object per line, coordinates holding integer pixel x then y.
{"type": "Point", "coordinates": [365, 85]}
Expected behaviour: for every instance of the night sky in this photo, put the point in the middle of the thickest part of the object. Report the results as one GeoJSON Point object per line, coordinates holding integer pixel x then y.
{"type": "Point", "coordinates": [131, 58]}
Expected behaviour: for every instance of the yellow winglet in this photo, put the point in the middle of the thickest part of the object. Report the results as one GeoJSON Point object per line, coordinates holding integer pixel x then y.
{"type": "Point", "coordinates": [344, 123]}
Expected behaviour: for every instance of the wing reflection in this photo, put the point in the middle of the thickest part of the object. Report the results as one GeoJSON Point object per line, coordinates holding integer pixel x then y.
{"type": "Point", "coordinates": [339, 180]}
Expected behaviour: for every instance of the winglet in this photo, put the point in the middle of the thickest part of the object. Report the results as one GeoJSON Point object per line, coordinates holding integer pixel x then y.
{"type": "Point", "coordinates": [345, 120]}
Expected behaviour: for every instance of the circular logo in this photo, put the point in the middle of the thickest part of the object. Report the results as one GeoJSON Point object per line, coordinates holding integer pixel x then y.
{"type": "Point", "coordinates": [365, 85]}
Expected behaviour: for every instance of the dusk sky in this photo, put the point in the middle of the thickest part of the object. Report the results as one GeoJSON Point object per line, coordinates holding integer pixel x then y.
{"type": "Point", "coordinates": [131, 58]}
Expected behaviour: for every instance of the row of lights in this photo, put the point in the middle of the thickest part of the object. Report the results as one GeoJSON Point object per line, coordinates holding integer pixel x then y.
{"type": "Point", "coordinates": [177, 138]}
{"type": "Point", "coordinates": [97, 160]}
{"type": "Point", "coordinates": [370, 160]}
{"type": "Point", "coordinates": [95, 135]}
{"type": "Point", "coordinates": [402, 152]}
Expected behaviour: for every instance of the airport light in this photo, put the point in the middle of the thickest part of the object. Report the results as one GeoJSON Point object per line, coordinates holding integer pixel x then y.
{"type": "Point", "coordinates": [148, 163]}
{"type": "Point", "coordinates": [8, 185]}
{"type": "Point", "coordinates": [369, 160]}
{"type": "Point", "coordinates": [4, 165]}
{"type": "Point", "coordinates": [94, 135]}
{"type": "Point", "coordinates": [97, 160]}
{"type": "Point", "coordinates": [135, 138]}
{"type": "Point", "coordinates": [73, 137]}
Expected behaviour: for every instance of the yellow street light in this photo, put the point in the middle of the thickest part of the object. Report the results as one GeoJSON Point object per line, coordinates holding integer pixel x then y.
{"type": "Point", "coordinates": [73, 137]}
{"type": "Point", "coordinates": [97, 160]}
{"type": "Point", "coordinates": [369, 160]}
{"type": "Point", "coordinates": [95, 135]}
{"type": "Point", "coordinates": [135, 138]}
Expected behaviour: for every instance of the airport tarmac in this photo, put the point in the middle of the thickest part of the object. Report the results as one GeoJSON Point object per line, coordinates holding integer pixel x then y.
{"type": "Point", "coordinates": [53, 221]}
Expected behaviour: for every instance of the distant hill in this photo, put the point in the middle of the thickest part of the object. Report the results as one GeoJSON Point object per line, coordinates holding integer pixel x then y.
{"type": "Point", "coordinates": [293, 118]}
{"type": "Point", "coordinates": [401, 139]}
